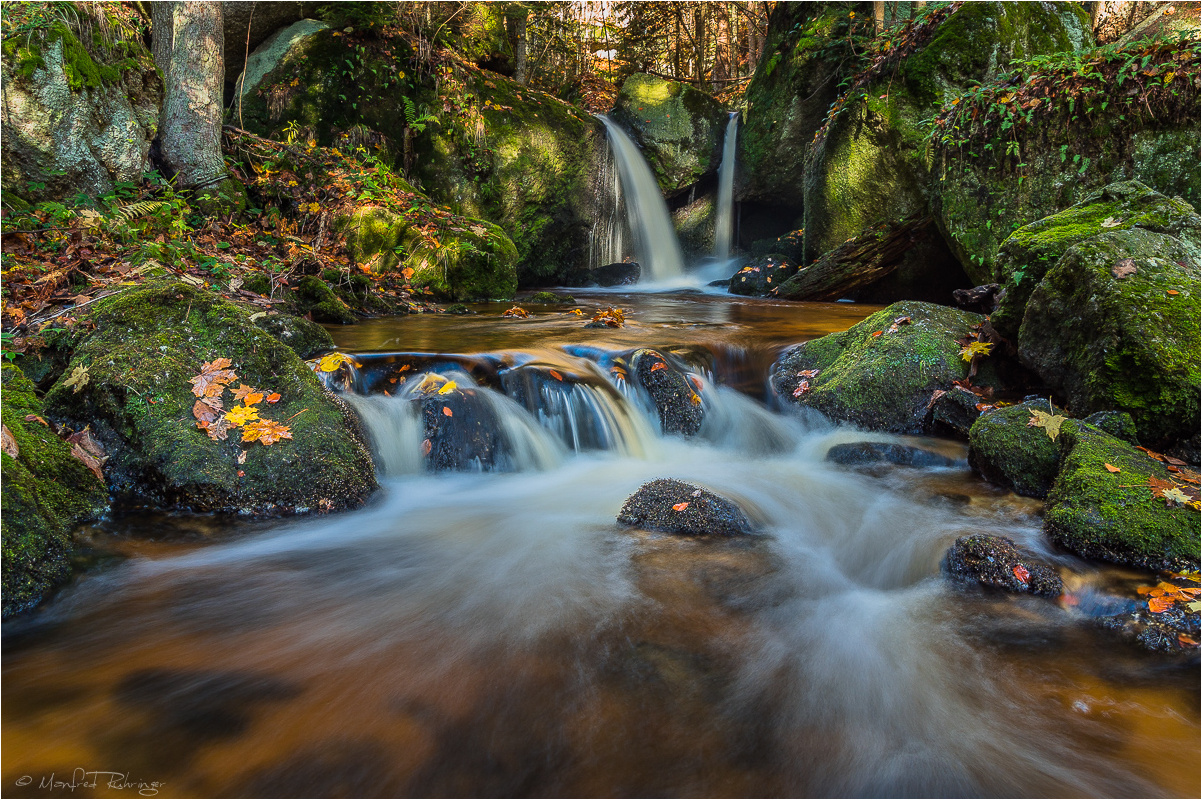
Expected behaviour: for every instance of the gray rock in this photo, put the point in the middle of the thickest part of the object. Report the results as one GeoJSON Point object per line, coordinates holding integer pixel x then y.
{"type": "Point", "coordinates": [995, 561]}
{"type": "Point", "coordinates": [701, 513]}
{"type": "Point", "coordinates": [875, 452]}
{"type": "Point", "coordinates": [271, 52]}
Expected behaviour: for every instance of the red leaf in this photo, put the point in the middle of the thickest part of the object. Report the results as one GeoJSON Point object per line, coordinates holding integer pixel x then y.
{"type": "Point", "coordinates": [658, 365]}
{"type": "Point", "coordinates": [1021, 573]}
{"type": "Point", "coordinates": [447, 412]}
{"type": "Point", "coordinates": [680, 506]}
{"type": "Point", "coordinates": [555, 375]}
{"type": "Point", "coordinates": [1159, 605]}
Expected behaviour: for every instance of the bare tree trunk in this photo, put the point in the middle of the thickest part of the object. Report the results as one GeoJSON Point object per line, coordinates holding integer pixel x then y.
{"type": "Point", "coordinates": [520, 51]}
{"type": "Point", "coordinates": [190, 122]}
{"type": "Point", "coordinates": [878, 15]}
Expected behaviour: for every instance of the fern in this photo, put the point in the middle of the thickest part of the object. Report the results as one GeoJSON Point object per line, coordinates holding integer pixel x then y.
{"type": "Point", "coordinates": [135, 210]}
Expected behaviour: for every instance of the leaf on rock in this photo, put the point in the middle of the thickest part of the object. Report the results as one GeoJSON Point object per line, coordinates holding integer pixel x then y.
{"type": "Point", "coordinates": [331, 362]}
{"type": "Point", "coordinates": [973, 349]}
{"type": "Point", "coordinates": [680, 506]}
{"type": "Point", "coordinates": [516, 312]}
{"type": "Point", "coordinates": [90, 461]}
{"type": "Point", "coordinates": [254, 398]}
{"type": "Point", "coordinates": [555, 375]}
{"type": "Point", "coordinates": [1175, 497]}
{"type": "Point", "coordinates": [1022, 573]}
{"type": "Point", "coordinates": [217, 430]}
{"type": "Point", "coordinates": [1111, 468]}
{"type": "Point", "coordinates": [240, 415]}
{"type": "Point", "coordinates": [1111, 222]}
{"type": "Point", "coordinates": [808, 373]}
{"type": "Point", "coordinates": [1049, 422]}
{"type": "Point", "coordinates": [273, 398]}
{"type": "Point", "coordinates": [78, 378]}
{"type": "Point", "coordinates": [1123, 268]}
{"type": "Point", "coordinates": [265, 431]}
{"type": "Point", "coordinates": [802, 388]}
{"type": "Point", "coordinates": [658, 365]}
{"type": "Point", "coordinates": [448, 387]}
{"type": "Point", "coordinates": [1159, 605]}
{"type": "Point", "coordinates": [426, 447]}
{"type": "Point", "coordinates": [9, 443]}
{"type": "Point", "coordinates": [447, 412]}
{"type": "Point", "coordinates": [242, 391]}
{"type": "Point", "coordinates": [242, 457]}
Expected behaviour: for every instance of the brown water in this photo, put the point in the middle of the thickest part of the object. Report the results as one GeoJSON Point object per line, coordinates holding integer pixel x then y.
{"type": "Point", "coordinates": [498, 634]}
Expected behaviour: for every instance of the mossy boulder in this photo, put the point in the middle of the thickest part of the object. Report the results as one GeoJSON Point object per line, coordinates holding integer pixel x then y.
{"type": "Point", "coordinates": [306, 338]}
{"type": "Point", "coordinates": [679, 128]}
{"type": "Point", "coordinates": [47, 491]}
{"type": "Point", "coordinates": [148, 342]}
{"type": "Point", "coordinates": [486, 146]}
{"type": "Point", "coordinates": [872, 166]}
{"type": "Point", "coordinates": [694, 225]}
{"type": "Point", "coordinates": [1114, 326]}
{"type": "Point", "coordinates": [794, 85]}
{"type": "Point", "coordinates": [1114, 516]}
{"type": "Point", "coordinates": [78, 119]}
{"type": "Point", "coordinates": [878, 374]}
{"type": "Point", "coordinates": [315, 298]}
{"type": "Point", "coordinates": [476, 262]}
{"type": "Point", "coordinates": [1031, 251]}
{"type": "Point", "coordinates": [1005, 450]}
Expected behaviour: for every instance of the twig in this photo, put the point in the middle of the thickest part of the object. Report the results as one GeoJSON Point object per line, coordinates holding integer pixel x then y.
{"type": "Point", "coordinates": [75, 307]}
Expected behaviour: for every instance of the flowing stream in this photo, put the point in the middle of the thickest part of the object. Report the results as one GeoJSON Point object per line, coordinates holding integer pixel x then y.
{"type": "Point", "coordinates": [494, 631]}
{"type": "Point", "coordinates": [724, 221]}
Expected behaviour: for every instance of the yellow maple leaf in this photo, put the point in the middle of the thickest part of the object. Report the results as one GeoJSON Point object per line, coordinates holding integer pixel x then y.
{"type": "Point", "coordinates": [1049, 422]}
{"type": "Point", "coordinates": [240, 415]}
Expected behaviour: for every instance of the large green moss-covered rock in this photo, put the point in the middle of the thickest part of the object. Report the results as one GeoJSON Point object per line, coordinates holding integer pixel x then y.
{"type": "Point", "coordinates": [47, 491]}
{"type": "Point", "coordinates": [679, 128]}
{"type": "Point", "coordinates": [1027, 254]}
{"type": "Point", "coordinates": [477, 262]}
{"type": "Point", "coordinates": [478, 142]}
{"type": "Point", "coordinates": [76, 118]}
{"type": "Point", "coordinates": [1004, 449]}
{"type": "Point", "coordinates": [1114, 326]}
{"type": "Point", "coordinates": [883, 381]}
{"type": "Point", "coordinates": [1114, 516]}
{"type": "Point", "coordinates": [147, 344]}
{"type": "Point", "coordinates": [794, 84]}
{"type": "Point", "coordinates": [872, 166]}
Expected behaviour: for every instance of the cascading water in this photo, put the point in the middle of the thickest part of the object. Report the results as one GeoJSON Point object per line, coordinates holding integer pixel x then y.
{"type": "Point", "coordinates": [607, 240]}
{"type": "Point", "coordinates": [656, 247]}
{"type": "Point", "coordinates": [724, 221]}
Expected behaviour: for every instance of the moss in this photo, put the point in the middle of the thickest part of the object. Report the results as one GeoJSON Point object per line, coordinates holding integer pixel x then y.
{"type": "Point", "coordinates": [1121, 343]}
{"type": "Point", "coordinates": [882, 382]}
{"type": "Point", "coordinates": [80, 63]}
{"type": "Point", "coordinates": [47, 491]}
{"type": "Point", "coordinates": [1005, 450]}
{"type": "Point", "coordinates": [1114, 516]}
{"type": "Point", "coordinates": [316, 298]}
{"type": "Point", "coordinates": [147, 344]}
{"type": "Point", "coordinates": [551, 297]}
{"type": "Point", "coordinates": [305, 338]}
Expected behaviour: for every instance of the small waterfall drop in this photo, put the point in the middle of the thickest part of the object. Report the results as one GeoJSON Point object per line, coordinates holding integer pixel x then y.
{"type": "Point", "coordinates": [656, 247]}
{"type": "Point", "coordinates": [724, 221]}
{"type": "Point", "coordinates": [607, 240]}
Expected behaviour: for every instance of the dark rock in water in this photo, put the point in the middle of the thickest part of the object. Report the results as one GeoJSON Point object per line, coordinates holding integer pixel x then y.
{"type": "Point", "coordinates": [1173, 630]}
{"type": "Point", "coordinates": [463, 432]}
{"type": "Point", "coordinates": [996, 561]}
{"type": "Point", "coordinates": [981, 299]}
{"type": "Point", "coordinates": [953, 413]}
{"type": "Point", "coordinates": [1117, 423]}
{"type": "Point", "coordinates": [1004, 449]}
{"type": "Point", "coordinates": [459, 308]}
{"type": "Point", "coordinates": [678, 405]}
{"type": "Point", "coordinates": [761, 276]}
{"type": "Point", "coordinates": [673, 506]}
{"type": "Point", "coordinates": [551, 297]}
{"type": "Point", "coordinates": [873, 452]}
{"type": "Point", "coordinates": [620, 273]}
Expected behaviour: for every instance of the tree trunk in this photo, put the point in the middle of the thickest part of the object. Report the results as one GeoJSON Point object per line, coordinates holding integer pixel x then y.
{"type": "Point", "coordinates": [878, 15]}
{"type": "Point", "coordinates": [190, 123]}
{"type": "Point", "coordinates": [520, 51]}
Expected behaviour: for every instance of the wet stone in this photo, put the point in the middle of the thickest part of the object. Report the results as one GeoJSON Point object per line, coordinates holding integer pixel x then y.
{"type": "Point", "coordinates": [875, 452]}
{"type": "Point", "coordinates": [672, 506]}
{"type": "Point", "coordinates": [676, 401]}
{"type": "Point", "coordinates": [996, 561]}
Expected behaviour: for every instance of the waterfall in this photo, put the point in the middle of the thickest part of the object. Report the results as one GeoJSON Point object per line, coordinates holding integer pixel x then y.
{"type": "Point", "coordinates": [724, 222]}
{"type": "Point", "coordinates": [607, 240]}
{"type": "Point", "coordinates": [655, 243]}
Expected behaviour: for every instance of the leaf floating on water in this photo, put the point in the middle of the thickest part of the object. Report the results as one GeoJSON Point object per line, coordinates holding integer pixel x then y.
{"type": "Point", "coordinates": [331, 362]}
{"type": "Point", "coordinates": [680, 506]}
{"type": "Point", "coordinates": [1049, 422]}
{"type": "Point", "coordinates": [9, 442]}
{"type": "Point", "coordinates": [78, 378]}
{"type": "Point", "coordinates": [1111, 468]}
{"type": "Point", "coordinates": [1021, 573]}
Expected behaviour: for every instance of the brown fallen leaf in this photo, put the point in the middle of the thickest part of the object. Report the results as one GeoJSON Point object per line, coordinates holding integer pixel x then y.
{"type": "Point", "coordinates": [205, 412]}
{"type": "Point", "coordinates": [9, 442]}
{"type": "Point", "coordinates": [680, 506]}
{"type": "Point", "coordinates": [1021, 572]}
{"type": "Point", "coordinates": [88, 442]}
{"type": "Point", "coordinates": [1159, 605]}
{"type": "Point", "coordinates": [1111, 468]}
{"type": "Point", "coordinates": [1123, 268]}
{"type": "Point", "coordinates": [426, 447]}
{"type": "Point", "coordinates": [658, 365]}
{"type": "Point", "coordinates": [90, 461]}
{"type": "Point", "coordinates": [35, 417]}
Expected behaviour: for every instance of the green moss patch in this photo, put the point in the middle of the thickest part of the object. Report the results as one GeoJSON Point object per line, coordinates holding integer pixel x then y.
{"type": "Point", "coordinates": [47, 491]}
{"type": "Point", "coordinates": [148, 342]}
{"type": "Point", "coordinates": [883, 381]}
{"type": "Point", "coordinates": [1114, 516]}
{"type": "Point", "coordinates": [1004, 449]}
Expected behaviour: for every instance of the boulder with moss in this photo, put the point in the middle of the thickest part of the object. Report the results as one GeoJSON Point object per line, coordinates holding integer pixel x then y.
{"type": "Point", "coordinates": [1031, 251]}
{"type": "Point", "coordinates": [881, 373]}
{"type": "Point", "coordinates": [870, 165]}
{"type": "Point", "coordinates": [147, 344]}
{"type": "Point", "coordinates": [1115, 516]}
{"type": "Point", "coordinates": [306, 338]}
{"type": "Point", "coordinates": [477, 142]}
{"type": "Point", "coordinates": [47, 492]}
{"type": "Point", "coordinates": [475, 261]}
{"type": "Point", "coordinates": [678, 128]}
{"type": "Point", "coordinates": [1114, 326]}
{"type": "Point", "coordinates": [79, 116]}
{"type": "Point", "coordinates": [1008, 451]}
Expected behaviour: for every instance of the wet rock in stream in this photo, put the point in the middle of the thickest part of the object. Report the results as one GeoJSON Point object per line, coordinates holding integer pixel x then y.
{"type": "Point", "coordinates": [676, 401]}
{"type": "Point", "coordinates": [856, 453]}
{"type": "Point", "coordinates": [676, 507]}
{"type": "Point", "coordinates": [996, 561]}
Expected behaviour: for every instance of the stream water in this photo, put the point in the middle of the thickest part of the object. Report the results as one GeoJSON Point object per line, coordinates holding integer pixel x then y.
{"type": "Point", "coordinates": [496, 633]}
